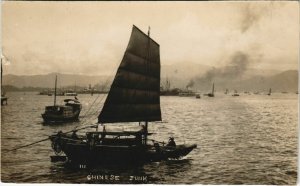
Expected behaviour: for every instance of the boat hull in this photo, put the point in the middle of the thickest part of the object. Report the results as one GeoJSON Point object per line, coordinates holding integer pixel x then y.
{"type": "Point", "coordinates": [82, 153]}
{"type": "Point", "coordinates": [3, 100]}
{"type": "Point", "coordinates": [52, 118]}
{"type": "Point", "coordinates": [62, 113]}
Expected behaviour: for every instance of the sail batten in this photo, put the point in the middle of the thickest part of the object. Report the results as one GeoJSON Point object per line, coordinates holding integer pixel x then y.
{"type": "Point", "coordinates": [134, 93]}
{"type": "Point", "coordinates": [127, 79]}
{"type": "Point", "coordinates": [137, 63]}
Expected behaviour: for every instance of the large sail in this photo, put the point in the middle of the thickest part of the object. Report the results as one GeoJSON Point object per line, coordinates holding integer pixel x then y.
{"type": "Point", "coordinates": [135, 91]}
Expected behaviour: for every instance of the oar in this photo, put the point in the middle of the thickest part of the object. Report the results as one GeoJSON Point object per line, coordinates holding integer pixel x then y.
{"type": "Point", "coordinates": [157, 141]}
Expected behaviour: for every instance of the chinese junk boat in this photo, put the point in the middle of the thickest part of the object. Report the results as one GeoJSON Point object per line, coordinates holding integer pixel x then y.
{"type": "Point", "coordinates": [62, 113]}
{"type": "Point", "coordinates": [235, 93]}
{"type": "Point", "coordinates": [212, 94]}
{"type": "Point", "coordinates": [134, 97]}
{"type": "Point", "coordinates": [270, 92]}
{"type": "Point", "coordinates": [3, 97]}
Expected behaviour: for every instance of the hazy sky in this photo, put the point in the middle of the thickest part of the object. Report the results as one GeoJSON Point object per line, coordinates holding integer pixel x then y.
{"type": "Point", "coordinates": [91, 37]}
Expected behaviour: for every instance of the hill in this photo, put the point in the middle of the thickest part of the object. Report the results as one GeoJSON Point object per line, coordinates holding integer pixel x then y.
{"type": "Point", "coordinates": [284, 81]}
{"type": "Point", "coordinates": [179, 75]}
{"type": "Point", "coordinates": [47, 80]}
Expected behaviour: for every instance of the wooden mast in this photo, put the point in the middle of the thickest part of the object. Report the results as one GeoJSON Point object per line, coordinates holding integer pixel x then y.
{"type": "Point", "coordinates": [1, 77]}
{"type": "Point", "coordinates": [147, 63]}
{"type": "Point", "coordinates": [55, 90]}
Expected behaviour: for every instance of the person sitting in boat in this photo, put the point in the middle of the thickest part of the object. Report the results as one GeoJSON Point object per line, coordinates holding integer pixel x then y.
{"type": "Point", "coordinates": [171, 142]}
{"type": "Point", "coordinates": [138, 139]}
{"type": "Point", "coordinates": [157, 147]}
{"type": "Point", "coordinates": [90, 140]}
{"type": "Point", "coordinates": [103, 133]}
{"type": "Point", "coordinates": [143, 130]}
{"type": "Point", "coordinates": [74, 135]}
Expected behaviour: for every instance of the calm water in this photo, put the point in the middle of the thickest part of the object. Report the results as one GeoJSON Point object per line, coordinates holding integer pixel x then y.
{"type": "Point", "coordinates": [251, 139]}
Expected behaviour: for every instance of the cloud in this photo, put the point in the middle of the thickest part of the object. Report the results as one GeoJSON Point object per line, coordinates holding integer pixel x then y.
{"type": "Point", "coordinates": [90, 38]}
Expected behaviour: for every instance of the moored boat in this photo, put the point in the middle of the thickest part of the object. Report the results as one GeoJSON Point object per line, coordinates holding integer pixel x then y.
{"type": "Point", "coordinates": [187, 93]}
{"type": "Point", "coordinates": [226, 91]}
{"type": "Point", "coordinates": [3, 100]}
{"type": "Point", "coordinates": [62, 113]}
{"type": "Point", "coordinates": [3, 96]}
{"type": "Point", "coordinates": [270, 91]}
{"type": "Point", "coordinates": [235, 93]}
{"type": "Point", "coordinates": [70, 94]}
{"type": "Point", "coordinates": [212, 93]}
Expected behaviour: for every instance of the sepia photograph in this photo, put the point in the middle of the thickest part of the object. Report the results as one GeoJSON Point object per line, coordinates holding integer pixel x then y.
{"type": "Point", "coordinates": [132, 92]}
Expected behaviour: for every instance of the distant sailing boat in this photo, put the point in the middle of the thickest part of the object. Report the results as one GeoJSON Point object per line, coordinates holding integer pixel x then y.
{"type": "Point", "coordinates": [134, 97]}
{"type": "Point", "coordinates": [62, 113]}
{"type": "Point", "coordinates": [212, 94]}
{"type": "Point", "coordinates": [270, 91]}
{"type": "Point", "coordinates": [71, 92]}
{"type": "Point", "coordinates": [226, 91]}
{"type": "Point", "coordinates": [3, 97]}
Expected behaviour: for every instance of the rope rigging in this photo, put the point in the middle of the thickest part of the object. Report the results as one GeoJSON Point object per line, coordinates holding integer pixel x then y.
{"type": "Point", "coordinates": [92, 109]}
{"type": "Point", "coordinates": [45, 139]}
{"type": "Point", "coordinates": [85, 121]}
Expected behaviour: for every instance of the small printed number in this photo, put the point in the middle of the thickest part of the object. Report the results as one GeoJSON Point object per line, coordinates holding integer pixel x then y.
{"type": "Point", "coordinates": [82, 166]}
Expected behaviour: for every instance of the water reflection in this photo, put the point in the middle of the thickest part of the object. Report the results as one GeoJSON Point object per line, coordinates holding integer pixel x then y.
{"type": "Point", "coordinates": [153, 172]}
{"type": "Point", "coordinates": [161, 172]}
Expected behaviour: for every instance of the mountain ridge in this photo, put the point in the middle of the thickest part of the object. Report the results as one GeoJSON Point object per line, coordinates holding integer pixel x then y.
{"type": "Point", "coordinates": [179, 75]}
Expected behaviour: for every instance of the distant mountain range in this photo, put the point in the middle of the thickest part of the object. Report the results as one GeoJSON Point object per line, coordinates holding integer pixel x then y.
{"type": "Point", "coordinates": [47, 80]}
{"type": "Point", "coordinates": [179, 75]}
{"type": "Point", "coordinates": [286, 81]}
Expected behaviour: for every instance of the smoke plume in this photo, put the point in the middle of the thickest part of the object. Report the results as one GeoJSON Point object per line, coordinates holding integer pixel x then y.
{"type": "Point", "coordinates": [237, 65]}
{"type": "Point", "coordinates": [190, 84]}
{"type": "Point", "coordinates": [250, 16]}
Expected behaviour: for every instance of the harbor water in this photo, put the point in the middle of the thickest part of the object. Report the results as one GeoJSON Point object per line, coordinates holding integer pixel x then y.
{"type": "Point", "coordinates": [250, 139]}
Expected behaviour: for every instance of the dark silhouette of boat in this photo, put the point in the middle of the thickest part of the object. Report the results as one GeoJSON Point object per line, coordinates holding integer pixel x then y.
{"type": "Point", "coordinates": [198, 96]}
{"type": "Point", "coordinates": [226, 91]}
{"type": "Point", "coordinates": [62, 113]}
{"type": "Point", "coordinates": [212, 93]}
{"type": "Point", "coordinates": [70, 94]}
{"type": "Point", "coordinates": [187, 93]}
{"type": "Point", "coordinates": [235, 93]}
{"type": "Point", "coordinates": [166, 90]}
{"type": "Point", "coordinates": [270, 91]}
{"type": "Point", "coordinates": [3, 96]}
{"type": "Point", "coordinates": [3, 100]}
{"type": "Point", "coordinates": [134, 97]}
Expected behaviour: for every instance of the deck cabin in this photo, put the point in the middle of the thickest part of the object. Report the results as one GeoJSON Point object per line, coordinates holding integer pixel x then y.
{"type": "Point", "coordinates": [114, 138]}
{"type": "Point", "coordinates": [62, 110]}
